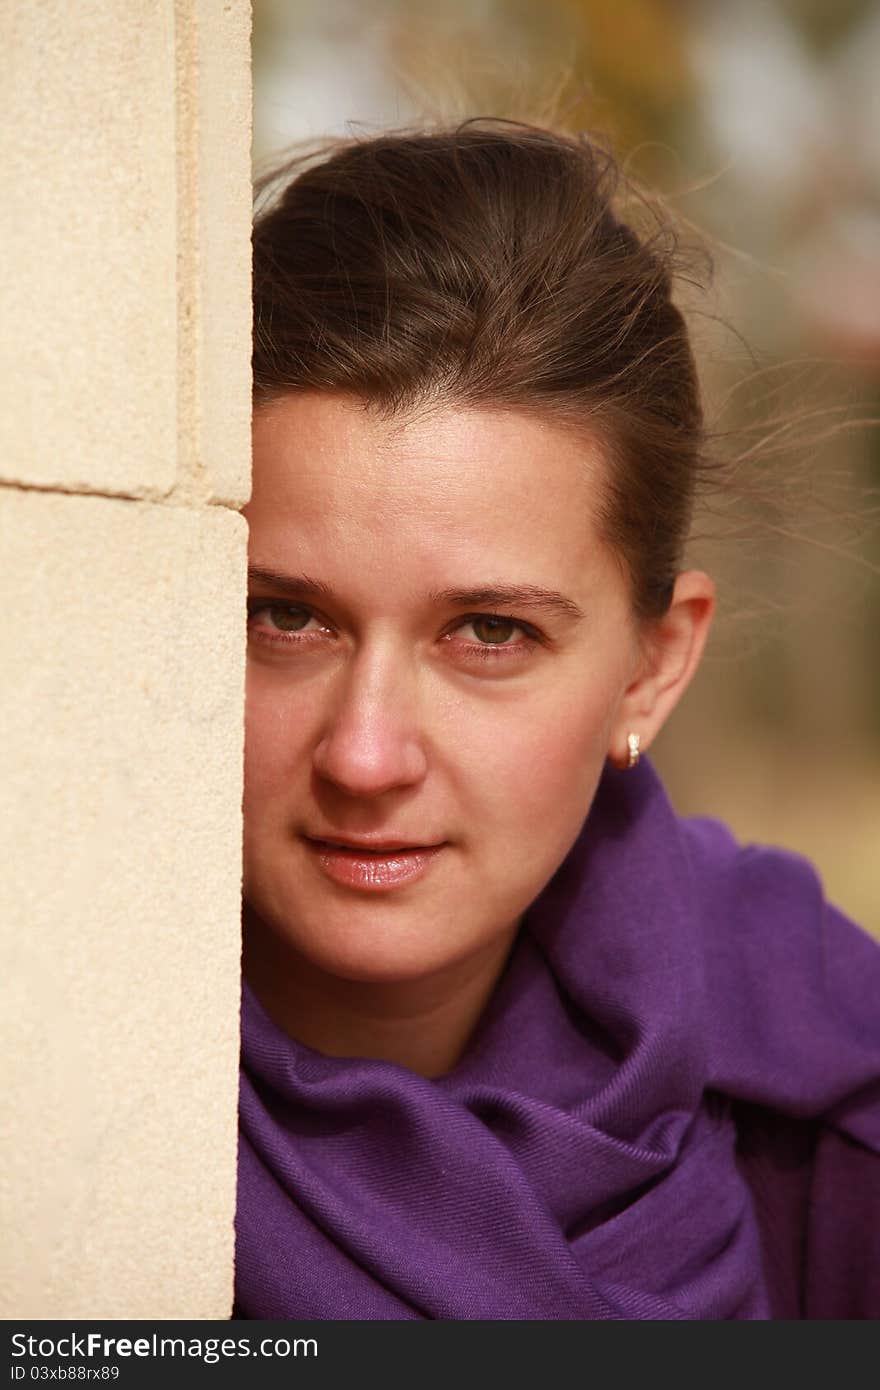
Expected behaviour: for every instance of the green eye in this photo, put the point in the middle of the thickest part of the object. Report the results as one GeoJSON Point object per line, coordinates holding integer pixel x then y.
{"type": "Point", "coordinates": [286, 618]}
{"type": "Point", "coordinates": [492, 630]}
{"type": "Point", "coordinates": [265, 618]}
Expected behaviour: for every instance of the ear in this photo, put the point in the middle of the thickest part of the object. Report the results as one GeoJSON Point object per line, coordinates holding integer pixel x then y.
{"type": "Point", "coordinates": [671, 650]}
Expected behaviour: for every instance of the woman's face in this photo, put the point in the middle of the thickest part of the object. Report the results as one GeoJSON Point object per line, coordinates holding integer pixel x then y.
{"type": "Point", "coordinates": [397, 693]}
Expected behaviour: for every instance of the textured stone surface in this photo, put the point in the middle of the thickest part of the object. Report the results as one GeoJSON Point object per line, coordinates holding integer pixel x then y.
{"type": "Point", "coordinates": [214, 97]}
{"type": "Point", "coordinates": [124, 329]}
{"type": "Point", "coordinates": [224, 239]}
{"type": "Point", "coordinates": [122, 650]}
{"type": "Point", "coordinates": [88, 297]}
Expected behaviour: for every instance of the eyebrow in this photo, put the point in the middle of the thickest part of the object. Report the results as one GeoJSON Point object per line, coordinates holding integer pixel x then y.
{"type": "Point", "coordinates": [510, 595]}
{"type": "Point", "coordinates": [485, 596]}
{"type": "Point", "coordinates": [288, 583]}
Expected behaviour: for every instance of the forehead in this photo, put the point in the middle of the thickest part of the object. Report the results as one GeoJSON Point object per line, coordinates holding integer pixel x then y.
{"type": "Point", "coordinates": [456, 484]}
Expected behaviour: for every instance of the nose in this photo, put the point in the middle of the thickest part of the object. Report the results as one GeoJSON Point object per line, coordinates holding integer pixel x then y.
{"type": "Point", "coordinates": [371, 742]}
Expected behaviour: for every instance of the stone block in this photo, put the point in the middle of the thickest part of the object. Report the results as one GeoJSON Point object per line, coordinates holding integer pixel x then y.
{"type": "Point", "coordinates": [123, 637]}
{"type": "Point", "coordinates": [88, 297]}
{"type": "Point", "coordinates": [125, 327]}
{"type": "Point", "coordinates": [214, 248]}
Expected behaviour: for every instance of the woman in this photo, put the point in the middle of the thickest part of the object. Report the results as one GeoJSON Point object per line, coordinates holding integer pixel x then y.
{"type": "Point", "coordinates": [517, 1041]}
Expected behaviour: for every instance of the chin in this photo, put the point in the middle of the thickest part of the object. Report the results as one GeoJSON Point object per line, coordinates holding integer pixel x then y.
{"type": "Point", "coordinates": [389, 963]}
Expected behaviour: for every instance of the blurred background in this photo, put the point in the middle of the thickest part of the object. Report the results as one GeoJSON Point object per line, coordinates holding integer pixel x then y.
{"type": "Point", "coordinates": [760, 122]}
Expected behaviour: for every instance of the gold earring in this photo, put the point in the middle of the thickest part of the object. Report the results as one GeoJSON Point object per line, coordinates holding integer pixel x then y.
{"type": "Point", "coordinates": [632, 743]}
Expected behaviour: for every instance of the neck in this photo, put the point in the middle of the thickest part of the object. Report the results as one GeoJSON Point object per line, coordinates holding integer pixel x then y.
{"type": "Point", "coordinates": [423, 1024]}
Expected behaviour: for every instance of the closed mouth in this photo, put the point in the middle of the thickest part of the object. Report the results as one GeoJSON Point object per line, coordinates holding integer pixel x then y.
{"type": "Point", "coordinates": [370, 849]}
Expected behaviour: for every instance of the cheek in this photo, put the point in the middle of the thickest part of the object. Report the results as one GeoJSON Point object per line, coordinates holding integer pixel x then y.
{"type": "Point", "coordinates": [275, 737]}
{"type": "Point", "coordinates": [539, 762]}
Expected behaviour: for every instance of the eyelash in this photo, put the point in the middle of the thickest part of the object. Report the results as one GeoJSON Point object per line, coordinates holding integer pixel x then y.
{"type": "Point", "coordinates": [481, 651]}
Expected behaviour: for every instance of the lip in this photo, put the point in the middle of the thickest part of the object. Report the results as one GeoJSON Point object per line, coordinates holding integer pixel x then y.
{"type": "Point", "coordinates": [370, 842]}
{"type": "Point", "coordinates": [355, 866]}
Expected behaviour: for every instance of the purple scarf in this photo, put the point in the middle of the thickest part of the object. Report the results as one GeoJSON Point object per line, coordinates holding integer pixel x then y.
{"type": "Point", "coordinates": [670, 1109]}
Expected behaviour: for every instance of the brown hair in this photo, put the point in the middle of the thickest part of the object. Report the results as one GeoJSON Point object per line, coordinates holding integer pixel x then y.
{"type": "Point", "coordinates": [488, 264]}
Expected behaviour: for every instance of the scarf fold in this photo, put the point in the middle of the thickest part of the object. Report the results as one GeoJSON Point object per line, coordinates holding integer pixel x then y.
{"type": "Point", "coordinates": [581, 1160]}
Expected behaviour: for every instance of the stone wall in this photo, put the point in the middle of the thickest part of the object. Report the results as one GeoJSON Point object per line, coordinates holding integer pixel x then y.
{"type": "Point", "coordinates": [124, 454]}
